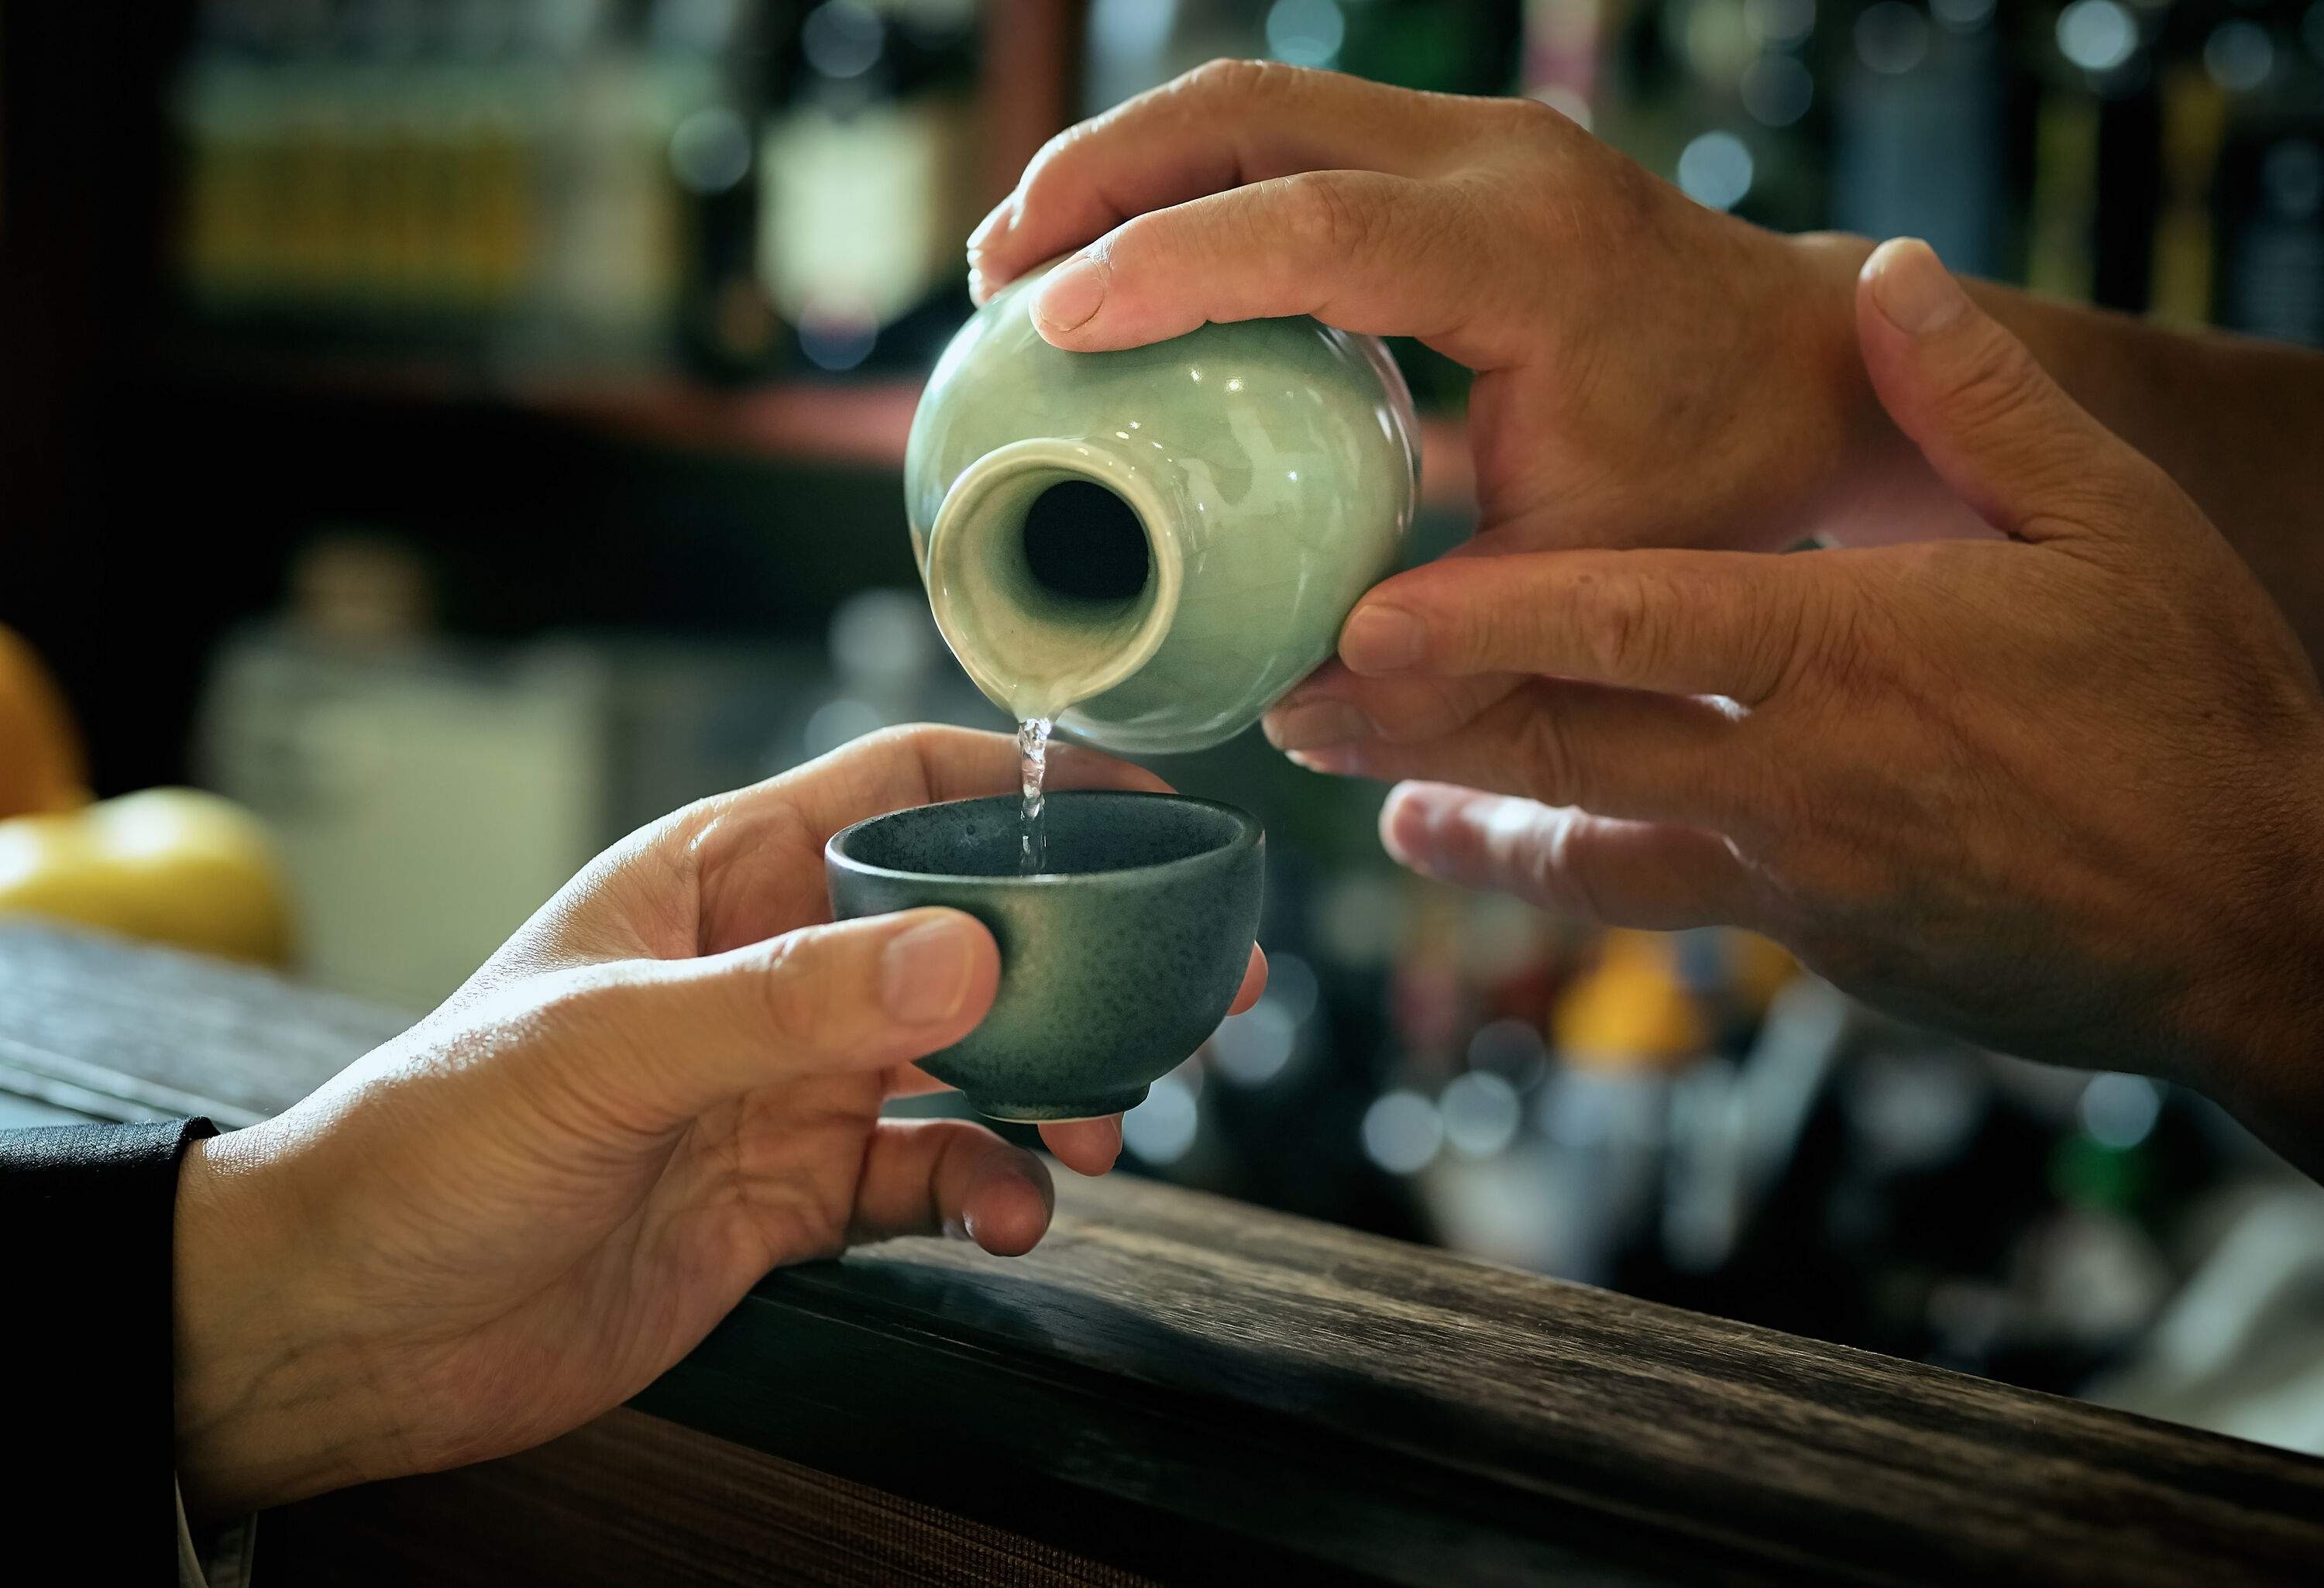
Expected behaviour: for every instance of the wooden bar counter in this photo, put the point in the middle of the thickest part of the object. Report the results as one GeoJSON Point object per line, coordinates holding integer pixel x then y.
{"type": "Point", "coordinates": [1178, 1389]}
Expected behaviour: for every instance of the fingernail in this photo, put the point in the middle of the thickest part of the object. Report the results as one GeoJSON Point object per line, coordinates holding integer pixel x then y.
{"type": "Point", "coordinates": [1381, 640]}
{"type": "Point", "coordinates": [1334, 761]}
{"type": "Point", "coordinates": [924, 973]}
{"type": "Point", "coordinates": [1913, 288]}
{"type": "Point", "coordinates": [1072, 294]}
{"type": "Point", "coordinates": [1315, 725]}
{"type": "Point", "coordinates": [1413, 817]}
{"type": "Point", "coordinates": [991, 225]}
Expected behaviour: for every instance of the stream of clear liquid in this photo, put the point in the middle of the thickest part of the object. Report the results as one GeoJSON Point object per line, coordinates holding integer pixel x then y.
{"type": "Point", "coordinates": [1032, 768]}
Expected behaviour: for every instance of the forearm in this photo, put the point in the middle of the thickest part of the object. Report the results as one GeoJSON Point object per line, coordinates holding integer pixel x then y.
{"type": "Point", "coordinates": [2258, 1030]}
{"type": "Point", "coordinates": [2239, 423]}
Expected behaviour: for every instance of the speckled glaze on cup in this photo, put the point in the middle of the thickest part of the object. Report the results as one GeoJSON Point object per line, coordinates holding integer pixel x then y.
{"type": "Point", "coordinates": [1114, 967]}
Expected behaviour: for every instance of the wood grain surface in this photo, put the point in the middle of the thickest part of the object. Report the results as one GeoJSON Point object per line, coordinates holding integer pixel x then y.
{"type": "Point", "coordinates": [1197, 1390]}
{"type": "Point", "coordinates": [631, 1499]}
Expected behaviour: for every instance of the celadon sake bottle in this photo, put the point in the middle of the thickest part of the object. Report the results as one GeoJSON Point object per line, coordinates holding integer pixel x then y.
{"type": "Point", "coordinates": [1165, 538]}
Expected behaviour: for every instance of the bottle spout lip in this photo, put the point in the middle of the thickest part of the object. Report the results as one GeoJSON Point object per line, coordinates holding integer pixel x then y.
{"type": "Point", "coordinates": [1033, 651]}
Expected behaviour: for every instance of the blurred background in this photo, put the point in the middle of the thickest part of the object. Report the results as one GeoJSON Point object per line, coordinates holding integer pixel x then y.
{"type": "Point", "coordinates": [457, 431]}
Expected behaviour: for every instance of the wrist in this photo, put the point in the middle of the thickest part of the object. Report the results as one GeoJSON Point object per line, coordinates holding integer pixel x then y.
{"type": "Point", "coordinates": [265, 1403]}
{"type": "Point", "coordinates": [2255, 1026]}
{"type": "Point", "coordinates": [1859, 449]}
{"type": "Point", "coordinates": [1870, 484]}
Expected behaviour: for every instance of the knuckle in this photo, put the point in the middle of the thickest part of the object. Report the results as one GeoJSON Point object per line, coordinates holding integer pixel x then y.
{"type": "Point", "coordinates": [2002, 397]}
{"type": "Point", "coordinates": [1530, 119]}
{"type": "Point", "coordinates": [1996, 380]}
{"type": "Point", "coordinates": [1328, 218]}
{"type": "Point", "coordinates": [1051, 165]}
{"type": "Point", "coordinates": [1831, 647]}
{"type": "Point", "coordinates": [1553, 775]}
{"type": "Point", "coordinates": [908, 739]}
{"type": "Point", "coordinates": [1558, 867]}
{"type": "Point", "coordinates": [1234, 79]}
{"type": "Point", "coordinates": [2115, 491]}
{"type": "Point", "coordinates": [1047, 155]}
{"type": "Point", "coordinates": [587, 1000]}
{"type": "Point", "coordinates": [797, 1004]}
{"type": "Point", "coordinates": [1613, 624]}
{"type": "Point", "coordinates": [1808, 629]}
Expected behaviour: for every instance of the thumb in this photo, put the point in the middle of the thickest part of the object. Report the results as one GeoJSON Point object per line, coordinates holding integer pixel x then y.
{"type": "Point", "coordinates": [859, 996]}
{"type": "Point", "coordinates": [1996, 429]}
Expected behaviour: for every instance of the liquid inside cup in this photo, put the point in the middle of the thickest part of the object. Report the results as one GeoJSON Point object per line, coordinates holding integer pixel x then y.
{"type": "Point", "coordinates": [1088, 832]}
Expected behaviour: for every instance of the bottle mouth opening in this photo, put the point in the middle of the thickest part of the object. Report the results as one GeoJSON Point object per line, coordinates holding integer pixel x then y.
{"type": "Point", "coordinates": [1080, 541]}
{"type": "Point", "coordinates": [1052, 573]}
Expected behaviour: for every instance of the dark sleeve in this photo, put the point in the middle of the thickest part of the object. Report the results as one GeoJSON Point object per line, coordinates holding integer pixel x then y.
{"type": "Point", "coordinates": [86, 1217]}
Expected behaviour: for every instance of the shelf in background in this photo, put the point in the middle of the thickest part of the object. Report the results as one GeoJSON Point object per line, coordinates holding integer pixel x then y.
{"type": "Point", "coordinates": [862, 423]}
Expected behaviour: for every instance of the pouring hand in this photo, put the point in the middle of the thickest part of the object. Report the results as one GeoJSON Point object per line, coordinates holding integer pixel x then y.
{"type": "Point", "coordinates": [1503, 235]}
{"type": "Point", "coordinates": [2055, 790]}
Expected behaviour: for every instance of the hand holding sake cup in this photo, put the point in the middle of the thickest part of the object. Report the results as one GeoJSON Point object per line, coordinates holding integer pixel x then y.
{"type": "Point", "coordinates": [520, 1212]}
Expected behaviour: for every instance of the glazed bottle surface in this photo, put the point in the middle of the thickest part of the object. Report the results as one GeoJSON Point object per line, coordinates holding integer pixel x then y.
{"type": "Point", "coordinates": [1165, 539]}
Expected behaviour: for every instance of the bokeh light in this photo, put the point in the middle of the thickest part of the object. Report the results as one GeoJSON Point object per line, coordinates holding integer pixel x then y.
{"type": "Point", "coordinates": [1402, 1132]}
{"type": "Point", "coordinates": [2119, 1111]}
{"type": "Point", "coordinates": [1511, 1049]}
{"type": "Point", "coordinates": [1892, 38]}
{"type": "Point", "coordinates": [1305, 33]}
{"type": "Point", "coordinates": [1962, 16]}
{"type": "Point", "coordinates": [710, 151]}
{"type": "Point", "coordinates": [1779, 21]}
{"type": "Point", "coordinates": [1252, 1047]}
{"type": "Point", "coordinates": [842, 38]}
{"type": "Point", "coordinates": [1777, 90]}
{"type": "Point", "coordinates": [2238, 55]}
{"type": "Point", "coordinates": [1481, 1113]}
{"type": "Point", "coordinates": [1161, 1130]}
{"type": "Point", "coordinates": [1715, 170]}
{"type": "Point", "coordinates": [2097, 35]}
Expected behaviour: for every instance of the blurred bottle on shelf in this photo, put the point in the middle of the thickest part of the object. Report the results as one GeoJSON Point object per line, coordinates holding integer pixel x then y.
{"type": "Point", "coordinates": [1625, 1036]}
{"type": "Point", "coordinates": [1918, 127]}
{"type": "Point", "coordinates": [867, 167]}
{"type": "Point", "coordinates": [2184, 270]}
{"type": "Point", "coordinates": [1564, 58]}
{"type": "Point", "coordinates": [2268, 59]}
{"type": "Point", "coordinates": [1719, 96]}
{"type": "Point", "coordinates": [1446, 46]}
{"type": "Point", "coordinates": [744, 187]}
{"type": "Point", "coordinates": [560, 180]}
{"type": "Point", "coordinates": [723, 58]}
{"type": "Point", "coordinates": [611, 272]}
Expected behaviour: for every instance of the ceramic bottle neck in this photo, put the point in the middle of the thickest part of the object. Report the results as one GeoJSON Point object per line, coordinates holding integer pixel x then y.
{"type": "Point", "coordinates": [1055, 569]}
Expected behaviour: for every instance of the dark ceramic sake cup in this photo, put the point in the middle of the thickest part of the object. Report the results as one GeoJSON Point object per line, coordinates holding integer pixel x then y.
{"type": "Point", "coordinates": [1115, 964]}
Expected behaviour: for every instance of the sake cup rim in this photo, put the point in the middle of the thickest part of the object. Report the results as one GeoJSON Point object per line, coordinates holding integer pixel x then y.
{"type": "Point", "coordinates": [1248, 834]}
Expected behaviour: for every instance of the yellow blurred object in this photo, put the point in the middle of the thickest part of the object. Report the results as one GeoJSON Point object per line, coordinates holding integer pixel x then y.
{"type": "Point", "coordinates": [1631, 1012]}
{"type": "Point", "coordinates": [172, 865]}
{"type": "Point", "coordinates": [1760, 967]}
{"type": "Point", "coordinates": [41, 763]}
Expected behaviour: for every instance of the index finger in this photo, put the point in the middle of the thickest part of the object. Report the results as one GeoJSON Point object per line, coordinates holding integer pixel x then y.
{"type": "Point", "coordinates": [1218, 127]}
{"type": "Point", "coordinates": [1684, 622]}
